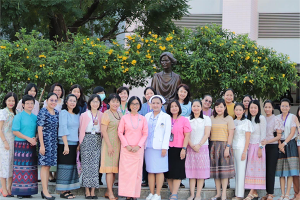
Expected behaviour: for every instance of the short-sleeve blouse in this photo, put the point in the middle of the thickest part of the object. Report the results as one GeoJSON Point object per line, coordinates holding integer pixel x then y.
{"type": "Point", "coordinates": [180, 126]}
{"type": "Point", "coordinates": [273, 124]}
{"type": "Point", "coordinates": [198, 129]}
{"type": "Point", "coordinates": [220, 126]}
{"type": "Point", "coordinates": [239, 137]}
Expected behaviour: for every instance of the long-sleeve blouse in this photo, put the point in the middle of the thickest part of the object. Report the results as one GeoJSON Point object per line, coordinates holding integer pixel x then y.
{"type": "Point", "coordinates": [259, 130]}
{"type": "Point", "coordinates": [133, 130]}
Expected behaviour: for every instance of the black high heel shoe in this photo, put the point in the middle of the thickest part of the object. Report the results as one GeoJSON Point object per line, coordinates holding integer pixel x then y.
{"type": "Point", "coordinates": [44, 197]}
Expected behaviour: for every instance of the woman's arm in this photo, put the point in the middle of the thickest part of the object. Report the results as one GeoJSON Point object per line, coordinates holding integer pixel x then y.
{"type": "Point", "coordinates": [41, 139]}
{"type": "Point", "coordinates": [6, 146]}
{"type": "Point", "coordinates": [207, 130]}
{"type": "Point", "coordinates": [246, 145]}
{"type": "Point", "coordinates": [291, 135]}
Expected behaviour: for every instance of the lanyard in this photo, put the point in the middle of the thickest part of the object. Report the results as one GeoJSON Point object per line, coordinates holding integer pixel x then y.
{"type": "Point", "coordinates": [285, 119]}
{"type": "Point", "coordinates": [94, 119]}
{"type": "Point", "coordinates": [123, 111]}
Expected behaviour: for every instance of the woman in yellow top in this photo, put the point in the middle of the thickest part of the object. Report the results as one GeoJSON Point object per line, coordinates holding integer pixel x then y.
{"type": "Point", "coordinates": [221, 153]}
{"type": "Point", "coordinates": [229, 98]}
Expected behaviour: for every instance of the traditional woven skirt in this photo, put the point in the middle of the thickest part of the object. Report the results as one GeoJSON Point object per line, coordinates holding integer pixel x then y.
{"type": "Point", "coordinates": [256, 168]}
{"type": "Point", "coordinates": [155, 163]}
{"type": "Point", "coordinates": [220, 167]}
{"type": "Point", "coordinates": [67, 175]}
{"type": "Point", "coordinates": [197, 165]}
{"type": "Point", "coordinates": [25, 174]}
{"type": "Point", "coordinates": [288, 162]}
{"type": "Point", "coordinates": [176, 165]}
{"type": "Point", "coordinates": [90, 160]}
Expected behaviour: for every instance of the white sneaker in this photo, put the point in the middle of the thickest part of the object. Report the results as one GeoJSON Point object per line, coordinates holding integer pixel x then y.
{"type": "Point", "coordinates": [156, 197]}
{"type": "Point", "coordinates": [149, 197]}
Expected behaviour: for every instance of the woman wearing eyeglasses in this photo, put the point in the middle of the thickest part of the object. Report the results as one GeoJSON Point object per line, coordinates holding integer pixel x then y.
{"type": "Point", "coordinates": [47, 121]}
{"type": "Point", "coordinates": [206, 108]}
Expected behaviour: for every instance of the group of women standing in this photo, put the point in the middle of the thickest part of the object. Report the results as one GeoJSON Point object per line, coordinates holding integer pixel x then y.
{"type": "Point", "coordinates": [187, 140]}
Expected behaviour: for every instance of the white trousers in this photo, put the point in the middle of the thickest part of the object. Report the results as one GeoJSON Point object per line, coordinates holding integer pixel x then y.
{"type": "Point", "coordinates": [240, 172]}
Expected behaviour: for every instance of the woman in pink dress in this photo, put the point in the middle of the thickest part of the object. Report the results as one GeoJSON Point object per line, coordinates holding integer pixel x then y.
{"type": "Point", "coordinates": [133, 132]}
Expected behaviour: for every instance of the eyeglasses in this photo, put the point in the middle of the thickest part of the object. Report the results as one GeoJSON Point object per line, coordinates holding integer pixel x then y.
{"type": "Point", "coordinates": [52, 101]}
{"type": "Point", "coordinates": [95, 102]}
{"type": "Point", "coordinates": [207, 101]}
{"type": "Point", "coordinates": [29, 103]}
{"type": "Point", "coordinates": [56, 90]}
{"type": "Point", "coordinates": [135, 104]}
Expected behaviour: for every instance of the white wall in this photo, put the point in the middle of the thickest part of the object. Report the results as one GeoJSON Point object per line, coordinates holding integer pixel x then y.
{"type": "Point", "coordinates": [278, 6]}
{"type": "Point", "coordinates": [206, 6]}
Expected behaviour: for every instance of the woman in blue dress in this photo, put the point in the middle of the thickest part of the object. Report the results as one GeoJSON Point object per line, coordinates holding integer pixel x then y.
{"type": "Point", "coordinates": [47, 122]}
{"type": "Point", "coordinates": [183, 96]}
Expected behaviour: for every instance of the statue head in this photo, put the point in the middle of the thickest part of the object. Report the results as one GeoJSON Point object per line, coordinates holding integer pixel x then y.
{"type": "Point", "coordinates": [167, 60]}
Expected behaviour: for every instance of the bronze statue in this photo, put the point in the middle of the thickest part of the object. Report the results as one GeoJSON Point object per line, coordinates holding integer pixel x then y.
{"type": "Point", "coordinates": [166, 81]}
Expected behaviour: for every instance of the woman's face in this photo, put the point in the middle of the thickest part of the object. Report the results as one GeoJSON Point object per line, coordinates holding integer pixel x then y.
{"type": "Point", "coordinates": [239, 111]}
{"type": "Point", "coordinates": [246, 102]}
{"type": "Point", "coordinates": [71, 103]}
{"type": "Point", "coordinates": [253, 109]}
{"type": "Point", "coordinates": [57, 90]}
{"type": "Point", "coordinates": [28, 106]}
{"type": "Point", "coordinates": [10, 102]}
{"type": "Point", "coordinates": [174, 108]}
{"type": "Point", "coordinates": [114, 104]}
{"type": "Point", "coordinates": [228, 96]}
{"type": "Point", "coordinates": [268, 108]}
{"type": "Point", "coordinates": [123, 95]}
{"type": "Point", "coordinates": [166, 62]}
{"type": "Point", "coordinates": [196, 108]}
{"type": "Point", "coordinates": [32, 92]}
{"type": "Point", "coordinates": [220, 109]}
{"type": "Point", "coordinates": [156, 104]}
{"type": "Point", "coordinates": [149, 94]}
{"type": "Point", "coordinates": [52, 102]}
{"type": "Point", "coordinates": [206, 102]}
{"type": "Point", "coordinates": [135, 106]}
{"type": "Point", "coordinates": [76, 92]}
{"type": "Point", "coordinates": [95, 103]}
{"type": "Point", "coordinates": [182, 93]}
{"type": "Point", "coordinates": [285, 107]}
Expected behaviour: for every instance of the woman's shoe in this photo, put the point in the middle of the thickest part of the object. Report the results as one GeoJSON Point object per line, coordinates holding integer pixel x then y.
{"type": "Point", "coordinates": [286, 197]}
{"type": "Point", "coordinates": [44, 197]}
{"type": "Point", "coordinates": [4, 195]}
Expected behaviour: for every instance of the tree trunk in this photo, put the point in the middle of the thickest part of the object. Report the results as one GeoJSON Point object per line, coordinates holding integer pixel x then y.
{"type": "Point", "coordinates": [58, 27]}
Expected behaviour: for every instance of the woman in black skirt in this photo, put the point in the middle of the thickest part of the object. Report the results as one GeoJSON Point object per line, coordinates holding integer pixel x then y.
{"type": "Point", "coordinates": [180, 134]}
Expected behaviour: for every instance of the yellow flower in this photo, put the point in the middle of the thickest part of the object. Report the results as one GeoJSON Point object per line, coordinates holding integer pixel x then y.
{"type": "Point", "coordinates": [151, 61]}
{"type": "Point", "coordinates": [9, 55]}
{"type": "Point", "coordinates": [236, 72]}
{"type": "Point", "coordinates": [138, 46]}
{"type": "Point", "coordinates": [255, 52]}
{"type": "Point", "coordinates": [233, 33]}
{"type": "Point", "coordinates": [42, 56]}
{"type": "Point", "coordinates": [234, 41]}
{"type": "Point", "coordinates": [217, 71]}
{"type": "Point", "coordinates": [3, 47]}
{"type": "Point", "coordinates": [110, 51]}
{"type": "Point", "coordinates": [142, 39]}
{"type": "Point", "coordinates": [65, 60]}
{"type": "Point", "coordinates": [244, 81]}
{"type": "Point", "coordinates": [162, 48]}
{"type": "Point", "coordinates": [266, 58]}
{"type": "Point", "coordinates": [155, 36]}
{"type": "Point", "coordinates": [124, 58]}
{"type": "Point", "coordinates": [129, 37]}
{"type": "Point", "coordinates": [247, 58]}
{"type": "Point", "coordinates": [169, 38]}
{"type": "Point", "coordinates": [246, 77]}
{"type": "Point", "coordinates": [91, 53]}
{"type": "Point", "coordinates": [271, 77]}
{"type": "Point", "coordinates": [25, 49]}
{"type": "Point", "coordinates": [41, 65]}
{"type": "Point", "coordinates": [127, 69]}
{"type": "Point", "coordinates": [122, 67]}
{"type": "Point", "coordinates": [154, 67]}
{"type": "Point", "coordinates": [126, 52]}
{"type": "Point", "coordinates": [98, 39]}
{"type": "Point", "coordinates": [146, 41]}
{"type": "Point", "coordinates": [27, 57]}
{"type": "Point", "coordinates": [137, 52]}
{"type": "Point", "coordinates": [18, 46]}
{"type": "Point", "coordinates": [283, 75]}
{"type": "Point", "coordinates": [148, 56]}
{"type": "Point", "coordinates": [28, 79]}
{"type": "Point", "coordinates": [288, 58]}
{"type": "Point", "coordinates": [206, 27]}
{"type": "Point", "coordinates": [133, 62]}
{"type": "Point", "coordinates": [36, 76]}
{"type": "Point", "coordinates": [106, 60]}
{"type": "Point", "coordinates": [149, 33]}
{"type": "Point", "coordinates": [88, 38]}
{"type": "Point", "coordinates": [104, 67]}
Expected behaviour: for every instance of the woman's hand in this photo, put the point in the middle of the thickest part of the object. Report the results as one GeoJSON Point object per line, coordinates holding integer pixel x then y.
{"type": "Point", "coordinates": [78, 148]}
{"type": "Point", "coordinates": [163, 152]}
{"type": "Point", "coordinates": [110, 151]}
{"type": "Point", "coordinates": [281, 146]}
{"type": "Point", "coordinates": [42, 150]}
{"type": "Point", "coordinates": [259, 153]}
{"type": "Point", "coordinates": [32, 141]}
{"type": "Point", "coordinates": [66, 150]}
{"type": "Point", "coordinates": [129, 148]}
{"type": "Point", "coordinates": [6, 146]}
{"type": "Point", "coordinates": [197, 147]}
{"type": "Point", "coordinates": [264, 142]}
{"type": "Point", "coordinates": [182, 154]}
{"type": "Point", "coordinates": [226, 152]}
{"type": "Point", "coordinates": [135, 149]}
{"type": "Point", "coordinates": [243, 156]}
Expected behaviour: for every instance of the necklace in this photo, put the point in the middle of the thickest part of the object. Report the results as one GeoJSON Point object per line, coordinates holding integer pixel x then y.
{"type": "Point", "coordinates": [115, 116]}
{"type": "Point", "coordinates": [132, 123]}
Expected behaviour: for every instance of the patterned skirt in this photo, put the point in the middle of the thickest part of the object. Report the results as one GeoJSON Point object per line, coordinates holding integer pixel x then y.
{"type": "Point", "coordinates": [7, 158]}
{"type": "Point", "coordinates": [25, 174]}
{"type": "Point", "coordinates": [220, 167]}
{"type": "Point", "coordinates": [288, 162]}
{"type": "Point", "coordinates": [67, 175]}
{"type": "Point", "coordinates": [90, 160]}
{"type": "Point", "coordinates": [197, 165]}
{"type": "Point", "coordinates": [256, 168]}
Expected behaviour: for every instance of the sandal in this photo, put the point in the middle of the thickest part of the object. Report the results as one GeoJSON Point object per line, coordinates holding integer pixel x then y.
{"type": "Point", "coordinates": [66, 195]}
{"type": "Point", "coordinates": [215, 198]}
{"type": "Point", "coordinates": [4, 195]}
{"type": "Point", "coordinates": [191, 198]}
{"type": "Point", "coordinates": [286, 197]}
{"type": "Point", "coordinates": [250, 197]}
{"type": "Point", "coordinates": [281, 197]}
{"type": "Point", "coordinates": [175, 195]}
{"type": "Point", "coordinates": [197, 198]}
{"type": "Point", "coordinates": [270, 197]}
{"type": "Point", "coordinates": [264, 197]}
{"type": "Point", "coordinates": [69, 192]}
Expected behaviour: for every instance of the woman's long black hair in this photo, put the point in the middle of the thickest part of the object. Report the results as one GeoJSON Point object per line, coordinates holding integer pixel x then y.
{"type": "Point", "coordinates": [256, 102]}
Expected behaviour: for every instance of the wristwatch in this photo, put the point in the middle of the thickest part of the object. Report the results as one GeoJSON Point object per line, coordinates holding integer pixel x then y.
{"type": "Point", "coordinates": [184, 148]}
{"type": "Point", "coordinates": [261, 147]}
{"type": "Point", "coordinates": [284, 143]}
{"type": "Point", "coordinates": [228, 145]}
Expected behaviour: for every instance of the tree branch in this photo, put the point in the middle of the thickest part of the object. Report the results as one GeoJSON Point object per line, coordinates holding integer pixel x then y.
{"type": "Point", "coordinates": [73, 28]}
{"type": "Point", "coordinates": [98, 17]}
{"type": "Point", "coordinates": [114, 29]}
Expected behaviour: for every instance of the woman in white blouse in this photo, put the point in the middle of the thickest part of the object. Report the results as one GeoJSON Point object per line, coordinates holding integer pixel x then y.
{"type": "Point", "coordinates": [240, 143]}
{"type": "Point", "coordinates": [197, 164]}
{"type": "Point", "coordinates": [256, 163]}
